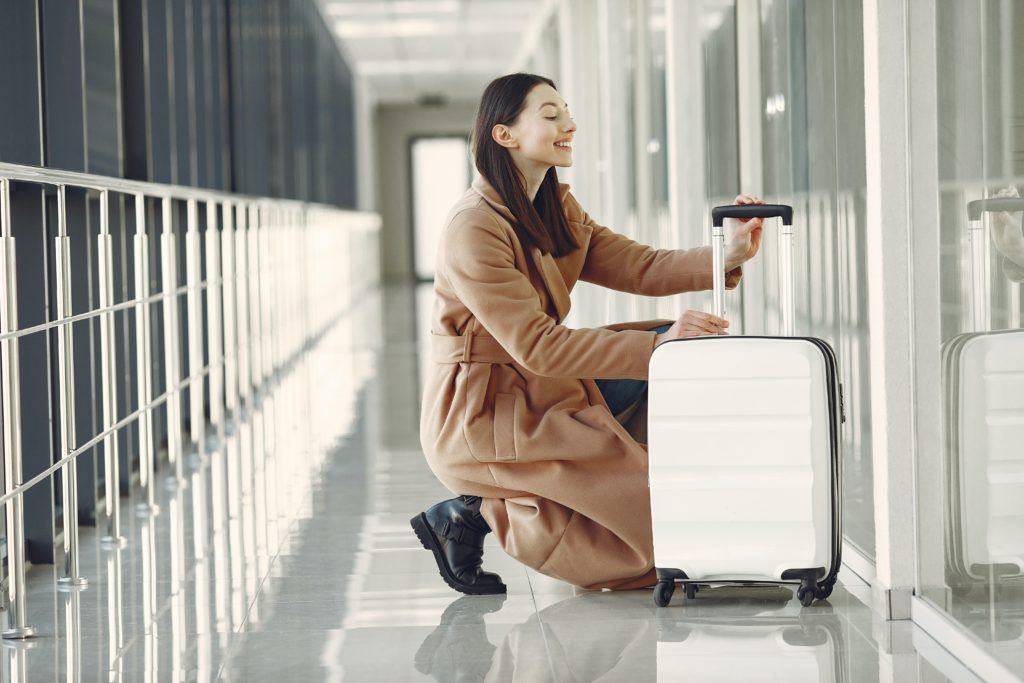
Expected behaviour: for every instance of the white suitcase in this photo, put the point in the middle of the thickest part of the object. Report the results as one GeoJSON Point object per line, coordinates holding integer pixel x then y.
{"type": "Point", "coordinates": [983, 382]}
{"type": "Point", "coordinates": [744, 449]}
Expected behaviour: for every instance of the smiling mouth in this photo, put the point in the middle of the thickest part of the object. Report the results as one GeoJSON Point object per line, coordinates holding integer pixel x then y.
{"type": "Point", "coordinates": [564, 146]}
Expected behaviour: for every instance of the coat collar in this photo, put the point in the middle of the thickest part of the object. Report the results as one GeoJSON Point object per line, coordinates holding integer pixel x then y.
{"type": "Point", "coordinates": [553, 281]}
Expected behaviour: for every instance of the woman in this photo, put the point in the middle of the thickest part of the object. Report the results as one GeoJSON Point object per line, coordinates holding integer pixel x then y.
{"type": "Point", "coordinates": [513, 417]}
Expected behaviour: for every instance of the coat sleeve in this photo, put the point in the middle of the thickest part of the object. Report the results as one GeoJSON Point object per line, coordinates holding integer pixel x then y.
{"type": "Point", "coordinates": [478, 260]}
{"type": "Point", "coordinates": [617, 262]}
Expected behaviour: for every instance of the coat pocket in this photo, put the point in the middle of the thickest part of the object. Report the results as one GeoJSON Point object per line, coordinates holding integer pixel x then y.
{"type": "Point", "coordinates": [504, 427]}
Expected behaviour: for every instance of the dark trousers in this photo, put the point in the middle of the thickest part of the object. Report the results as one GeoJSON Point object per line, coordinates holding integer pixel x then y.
{"type": "Point", "coordinates": [619, 394]}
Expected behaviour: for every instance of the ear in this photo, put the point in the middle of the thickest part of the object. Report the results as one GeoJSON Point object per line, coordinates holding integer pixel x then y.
{"type": "Point", "coordinates": [503, 135]}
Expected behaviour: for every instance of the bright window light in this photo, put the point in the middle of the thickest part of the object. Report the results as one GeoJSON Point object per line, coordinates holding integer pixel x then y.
{"type": "Point", "coordinates": [440, 176]}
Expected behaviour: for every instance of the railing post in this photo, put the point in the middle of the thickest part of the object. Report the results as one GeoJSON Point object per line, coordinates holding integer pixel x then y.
{"type": "Point", "coordinates": [172, 348]}
{"type": "Point", "coordinates": [143, 359]}
{"type": "Point", "coordinates": [213, 316]}
{"type": "Point", "coordinates": [268, 225]}
{"type": "Point", "coordinates": [242, 305]}
{"type": "Point", "coordinates": [230, 284]}
{"type": "Point", "coordinates": [193, 276]}
{"type": "Point", "coordinates": [254, 277]}
{"type": "Point", "coordinates": [108, 361]}
{"type": "Point", "coordinates": [66, 397]}
{"type": "Point", "coordinates": [11, 393]}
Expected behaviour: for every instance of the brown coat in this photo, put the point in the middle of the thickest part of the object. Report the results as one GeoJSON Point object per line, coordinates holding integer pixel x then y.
{"type": "Point", "coordinates": [510, 410]}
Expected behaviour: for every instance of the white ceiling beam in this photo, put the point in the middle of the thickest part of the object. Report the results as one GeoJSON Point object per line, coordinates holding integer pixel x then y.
{"type": "Point", "coordinates": [531, 35]}
{"type": "Point", "coordinates": [426, 26]}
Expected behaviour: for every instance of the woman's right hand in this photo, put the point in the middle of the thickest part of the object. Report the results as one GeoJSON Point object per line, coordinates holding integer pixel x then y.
{"type": "Point", "coordinates": [694, 324]}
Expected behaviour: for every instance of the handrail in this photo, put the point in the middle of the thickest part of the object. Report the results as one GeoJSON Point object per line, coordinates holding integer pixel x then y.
{"type": "Point", "coordinates": [57, 177]}
{"type": "Point", "coordinates": [124, 422]}
{"type": "Point", "coordinates": [271, 287]}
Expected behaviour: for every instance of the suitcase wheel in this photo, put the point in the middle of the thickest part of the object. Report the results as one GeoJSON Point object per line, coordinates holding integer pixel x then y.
{"type": "Point", "coordinates": [663, 592]}
{"type": "Point", "coordinates": [806, 595]}
{"type": "Point", "coordinates": [691, 591]}
{"type": "Point", "coordinates": [823, 591]}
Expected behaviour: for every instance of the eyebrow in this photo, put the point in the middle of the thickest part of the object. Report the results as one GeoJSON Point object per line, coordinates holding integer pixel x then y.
{"type": "Point", "coordinates": [552, 104]}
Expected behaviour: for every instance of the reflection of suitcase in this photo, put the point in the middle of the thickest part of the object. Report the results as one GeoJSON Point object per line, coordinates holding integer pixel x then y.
{"type": "Point", "coordinates": [759, 648]}
{"type": "Point", "coordinates": [744, 444]}
{"type": "Point", "coordinates": [983, 384]}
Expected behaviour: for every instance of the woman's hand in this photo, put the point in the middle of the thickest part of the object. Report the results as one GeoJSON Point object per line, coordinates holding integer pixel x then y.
{"type": "Point", "coordinates": [694, 324]}
{"type": "Point", "coordinates": [747, 240]}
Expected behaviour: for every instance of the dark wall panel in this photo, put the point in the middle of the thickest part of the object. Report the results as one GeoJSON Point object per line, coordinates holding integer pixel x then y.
{"type": "Point", "coordinates": [250, 96]}
{"type": "Point", "coordinates": [62, 74]}
{"type": "Point", "coordinates": [20, 135]}
{"type": "Point", "coordinates": [183, 110]}
{"type": "Point", "coordinates": [134, 106]}
{"type": "Point", "coordinates": [161, 150]}
{"type": "Point", "coordinates": [102, 88]}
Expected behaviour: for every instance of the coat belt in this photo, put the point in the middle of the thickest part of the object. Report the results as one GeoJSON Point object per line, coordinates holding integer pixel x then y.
{"type": "Point", "coordinates": [467, 348]}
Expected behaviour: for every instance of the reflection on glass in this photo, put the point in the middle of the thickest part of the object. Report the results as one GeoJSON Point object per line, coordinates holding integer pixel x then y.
{"type": "Point", "coordinates": [812, 131]}
{"type": "Point", "coordinates": [974, 571]}
{"type": "Point", "coordinates": [983, 379]}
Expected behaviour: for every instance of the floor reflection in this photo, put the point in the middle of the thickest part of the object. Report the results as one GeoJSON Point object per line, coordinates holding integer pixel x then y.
{"type": "Point", "coordinates": [725, 636]}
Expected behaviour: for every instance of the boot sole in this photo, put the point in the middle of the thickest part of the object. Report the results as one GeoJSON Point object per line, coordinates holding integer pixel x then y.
{"type": "Point", "coordinates": [429, 541]}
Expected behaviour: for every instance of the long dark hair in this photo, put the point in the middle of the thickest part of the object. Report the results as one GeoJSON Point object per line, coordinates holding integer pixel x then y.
{"type": "Point", "coordinates": [542, 222]}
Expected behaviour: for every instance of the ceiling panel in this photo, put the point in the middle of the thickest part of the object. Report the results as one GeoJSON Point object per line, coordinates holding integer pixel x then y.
{"type": "Point", "coordinates": [407, 49]}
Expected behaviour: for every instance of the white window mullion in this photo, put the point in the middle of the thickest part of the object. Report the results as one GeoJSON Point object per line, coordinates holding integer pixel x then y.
{"type": "Point", "coordinates": [684, 75]}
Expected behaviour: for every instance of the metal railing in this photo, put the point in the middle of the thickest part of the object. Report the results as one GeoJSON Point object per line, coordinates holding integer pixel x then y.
{"type": "Point", "coordinates": [277, 272]}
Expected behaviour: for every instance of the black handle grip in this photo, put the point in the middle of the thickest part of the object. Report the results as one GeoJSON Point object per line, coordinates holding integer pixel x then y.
{"type": "Point", "coordinates": [783, 211]}
{"type": "Point", "coordinates": [980, 206]}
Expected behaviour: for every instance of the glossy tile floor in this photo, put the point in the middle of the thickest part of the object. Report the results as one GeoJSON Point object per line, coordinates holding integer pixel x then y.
{"type": "Point", "coordinates": [286, 554]}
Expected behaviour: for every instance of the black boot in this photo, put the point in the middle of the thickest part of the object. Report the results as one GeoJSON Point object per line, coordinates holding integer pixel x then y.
{"type": "Point", "coordinates": [454, 531]}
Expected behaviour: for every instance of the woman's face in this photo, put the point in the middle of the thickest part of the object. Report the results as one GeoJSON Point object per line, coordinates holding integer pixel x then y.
{"type": "Point", "coordinates": [542, 135]}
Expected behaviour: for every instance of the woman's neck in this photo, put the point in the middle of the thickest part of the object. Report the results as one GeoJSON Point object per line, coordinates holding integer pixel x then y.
{"type": "Point", "coordinates": [534, 179]}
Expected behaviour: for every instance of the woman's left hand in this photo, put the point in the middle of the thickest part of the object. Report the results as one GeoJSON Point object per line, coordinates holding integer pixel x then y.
{"type": "Point", "coordinates": [747, 240]}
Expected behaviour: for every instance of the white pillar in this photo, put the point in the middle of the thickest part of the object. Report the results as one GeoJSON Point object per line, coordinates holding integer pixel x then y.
{"type": "Point", "coordinates": [924, 188]}
{"type": "Point", "coordinates": [890, 299]}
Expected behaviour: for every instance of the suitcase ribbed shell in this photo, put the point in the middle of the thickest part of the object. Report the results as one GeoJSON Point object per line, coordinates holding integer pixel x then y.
{"type": "Point", "coordinates": [741, 457]}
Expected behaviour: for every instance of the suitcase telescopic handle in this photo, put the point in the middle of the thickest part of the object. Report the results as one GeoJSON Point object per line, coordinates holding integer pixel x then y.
{"type": "Point", "coordinates": [980, 206]}
{"type": "Point", "coordinates": [783, 211]}
{"type": "Point", "coordinates": [981, 282]}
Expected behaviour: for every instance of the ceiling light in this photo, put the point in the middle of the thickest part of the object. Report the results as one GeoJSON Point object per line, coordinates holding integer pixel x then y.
{"type": "Point", "coordinates": [378, 9]}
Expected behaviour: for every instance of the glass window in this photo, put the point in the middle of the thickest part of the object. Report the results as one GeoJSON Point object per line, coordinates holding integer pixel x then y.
{"type": "Point", "coordinates": [973, 565]}
{"type": "Point", "coordinates": [812, 132]}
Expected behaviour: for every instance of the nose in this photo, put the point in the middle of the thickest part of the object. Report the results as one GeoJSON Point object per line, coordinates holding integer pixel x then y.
{"type": "Point", "coordinates": [572, 125]}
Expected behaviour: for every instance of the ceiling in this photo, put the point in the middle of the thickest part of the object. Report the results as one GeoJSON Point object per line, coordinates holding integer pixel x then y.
{"type": "Point", "coordinates": [411, 50]}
